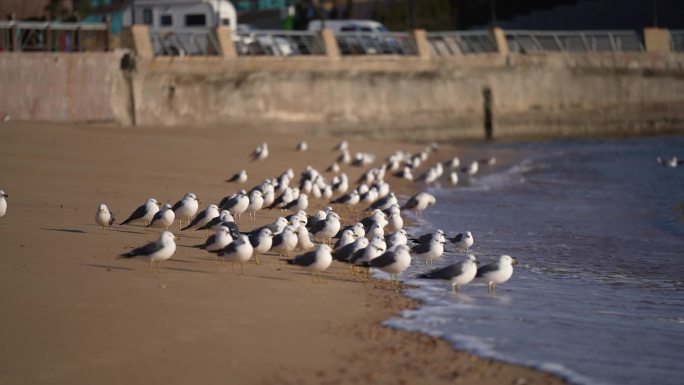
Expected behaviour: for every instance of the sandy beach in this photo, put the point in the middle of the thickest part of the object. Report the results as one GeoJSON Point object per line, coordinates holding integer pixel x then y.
{"type": "Point", "coordinates": [74, 313]}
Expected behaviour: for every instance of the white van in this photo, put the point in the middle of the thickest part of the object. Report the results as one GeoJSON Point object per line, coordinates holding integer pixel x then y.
{"type": "Point", "coordinates": [348, 25]}
{"type": "Point", "coordinates": [180, 27]}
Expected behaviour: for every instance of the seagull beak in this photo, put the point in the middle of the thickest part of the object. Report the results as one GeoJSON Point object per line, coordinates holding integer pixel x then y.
{"type": "Point", "coordinates": [515, 261]}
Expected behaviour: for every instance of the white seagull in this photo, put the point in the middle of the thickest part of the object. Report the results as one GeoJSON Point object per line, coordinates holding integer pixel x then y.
{"type": "Point", "coordinates": [325, 230]}
{"type": "Point", "coordinates": [315, 261]}
{"type": "Point", "coordinates": [157, 251]}
{"type": "Point", "coordinates": [459, 274]}
{"type": "Point", "coordinates": [261, 152]}
{"type": "Point", "coordinates": [238, 251]}
{"type": "Point", "coordinates": [497, 272]}
{"type": "Point", "coordinates": [144, 213]}
{"type": "Point", "coordinates": [217, 241]}
{"type": "Point", "coordinates": [204, 216]}
{"type": "Point", "coordinates": [102, 217]}
{"type": "Point", "coordinates": [163, 219]}
{"type": "Point", "coordinates": [240, 177]}
{"type": "Point", "coordinates": [186, 208]}
{"type": "Point", "coordinates": [420, 202]}
{"type": "Point", "coordinates": [393, 262]}
{"type": "Point", "coordinates": [463, 241]}
{"type": "Point", "coordinates": [431, 250]}
{"type": "Point", "coordinates": [3, 203]}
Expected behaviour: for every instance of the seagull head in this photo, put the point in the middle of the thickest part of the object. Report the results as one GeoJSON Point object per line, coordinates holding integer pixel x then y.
{"type": "Point", "coordinates": [3, 194]}
{"type": "Point", "coordinates": [508, 259]}
{"type": "Point", "coordinates": [153, 201]}
{"type": "Point", "coordinates": [471, 258]}
{"type": "Point", "coordinates": [167, 237]}
{"type": "Point", "coordinates": [102, 209]}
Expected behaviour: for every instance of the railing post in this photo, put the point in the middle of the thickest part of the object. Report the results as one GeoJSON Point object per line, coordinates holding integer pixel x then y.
{"type": "Point", "coordinates": [224, 36]}
{"type": "Point", "coordinates": [107, 33]}
{"type": "Point", "coordinates": [422, 44]}
{"type": "Point", "coordinates": [137, 38]}
{"type": "Point", "coordinates": [332, 50]}
{"type": "Point", "coordinates": [657, 40]}
{"type": "Point", "coordinates": [16, 39]}
{"type": "Point", "coordinates": [500, 39]}
{"type": "Point", "coordinates": [48, 37]}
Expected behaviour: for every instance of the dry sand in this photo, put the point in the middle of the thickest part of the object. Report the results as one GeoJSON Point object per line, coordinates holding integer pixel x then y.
{"type": "Point", "coordinates": [72, 313]}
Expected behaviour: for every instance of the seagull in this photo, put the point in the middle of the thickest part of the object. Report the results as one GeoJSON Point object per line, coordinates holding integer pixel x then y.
{"type": "Point", "coordinates": [471, 169]}
{"type": "Point", "coordinates": [327, 229]}
{"type": "Point", "coordinates": [261, 242]}
{"type": "Point", "coordinates": [348, 199]}
{"type": "Point", "coordinates": [304, 241]}
{"type": "Point", "coordinates": [239, 205]}
{"type": "Point", "coordinates": [497, 272]}
{"type": "Point", "coordinates": [204, 216]}
{"type": "Point", "coordinates": [404, 173]}
{"type": "Point", "coordinates": [463, 241]}
{"type": "Point", "coordinates": [3, 203]}
{"type": "Point", "coordinates": [431, 250]}
{"type": "Point", "coordinates": [395, 222]}
{"type": "Point", "coordinates": [346, 238]}
{"type": "Point", "coordinates": [302, 146]}
{"type": "Point", "coordinates": [342, 146]}
{"type": "Point", "coordinates": [426, 238]}
{"type": "Point", "coordinates": [238, 251]}
{"type": "Point", "coordinates": [163, 219]}
{"type": "Point", "coordinates": [261, 152]}
{"type": "Point", "coordinates": [453, 178]}
{"type": "Point", "coordinates": [299, 204]}
{"type": "Point", "coordinates": [285, 242]}
{"type": "Point", "coordinates": [459, 274]}
{"type": "Point", "coordinates": [144, 213]}
{"type": "Point", "coordinates": [102, 217]}
{"type": "Point", "coordinates": [223, 219]}
{"type": "Point", "coordinates": [376, 247]}
{"type": "Point", "coordinates": [256, 202]}
{"type": "Point", "coordinates": [283, 200]}
{"type": "Point", "coordinates": [420, 202]}
{"type": "Point", "coordinates": [217, 241]}
{"type": "Point", "coordinates": [334, 168]}
{"type": "Point", "coordinates": [315, 261]}
{"type": "Point", "coordinates": [157, 251]}
{"type": "Point", "coordinates": [240, 177]}
{"type": "Point", "coordinates": [488, 161]}
{"type": "Point", "coordinates": [453, 163]}
{"type": "Point", "coordinates": [393, 262]}
{"type": "Point", "coordinates": [345, 253]}
{"type": "Point", "coordinates": [186, 208]}
{"type": "Point", "coordinates": [399, 237]}
{"type": "Point", "coordinates": [384, 202]}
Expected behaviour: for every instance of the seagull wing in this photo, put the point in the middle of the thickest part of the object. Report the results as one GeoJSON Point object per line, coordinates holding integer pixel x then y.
{"type": "Point", "coordinates": [457, 238]}
{"type": "Point", "coordinates": [196, 220]}
{"type": "Point", "coordinates": [384, 260]}
{"type": "Point", "coordinates": [487, 269]}
{"type": "Point", "coordinates": [307, 259]}
{"type": "Point", "coordinates": [145, 250]}
{"type": "Point", "coordinates": [317, 227]}
{"type": "Point", "coordinates": [421, 248]}
{"type": "Point", "coordinates": [446, 272]}
{"type": "Point", "coordinates": [137, 214]}
{"type": "Point", "coordinates": [177, 205]}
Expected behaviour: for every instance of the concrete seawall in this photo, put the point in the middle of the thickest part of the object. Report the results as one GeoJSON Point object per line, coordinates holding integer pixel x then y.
{"type": "Point", "coordinates": [64, 87]}
{"type": "Point", "coordinates": [407, 97]}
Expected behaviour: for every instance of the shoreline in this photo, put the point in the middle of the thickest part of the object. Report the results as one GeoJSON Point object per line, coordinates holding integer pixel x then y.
{"type": "Point", "coordinates": [78, 314]}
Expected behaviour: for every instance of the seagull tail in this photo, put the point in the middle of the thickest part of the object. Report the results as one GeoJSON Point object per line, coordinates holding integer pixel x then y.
{"type": "Point", "coordinates": [289, 261]}
{"type": "Point", "coordinates": [200, 246]}
{"type": "Point", "coordinates": [187, 227]}
{"type": "Point", "coordinates": [130, 254]}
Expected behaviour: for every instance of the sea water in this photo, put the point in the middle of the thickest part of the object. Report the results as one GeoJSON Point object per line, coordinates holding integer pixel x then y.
{"type": "Point", "coordinates": [598, 229]}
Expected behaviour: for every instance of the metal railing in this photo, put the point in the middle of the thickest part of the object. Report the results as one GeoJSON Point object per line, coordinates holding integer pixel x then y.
{"type": "Point", "coordinates": [184, 42]}
{"type": "Point", "coordinates": [53, 36]}
{"type": "Point", "coordinates": [278, 43]}
{"type": "Point", "coordinates": [375, 43]}
{"type": "Point", "coordinates": [677, 40]}
{"type": "Point", "coordinates": [461, 42]}
{"type": "Point", "coordinates": [574, 41]}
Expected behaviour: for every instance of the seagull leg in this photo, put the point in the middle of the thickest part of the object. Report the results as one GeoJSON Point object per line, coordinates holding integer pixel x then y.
{"type": "Point", "coordinates": [256, 259]}
{"type": "Point", "coordinates": [319, 277]}
{"type": "Point", "coordinates": [242, 266]}
{"type": "Point", "coordinates": [234, 268]}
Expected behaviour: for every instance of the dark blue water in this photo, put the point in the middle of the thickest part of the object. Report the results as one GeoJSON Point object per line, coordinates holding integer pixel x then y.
{"type": "Point", "coordinates": [598, 228]}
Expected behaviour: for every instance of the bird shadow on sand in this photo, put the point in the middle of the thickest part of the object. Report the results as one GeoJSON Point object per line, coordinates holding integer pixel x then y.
{"type": "Point", "coordinates": [118, 230]}
{"type": "Point", "coordinates": [107, 267]}
{"type": "Point", "coordinates": [74, 231]}
{"type": "Point", "coordinates": [186, 270]}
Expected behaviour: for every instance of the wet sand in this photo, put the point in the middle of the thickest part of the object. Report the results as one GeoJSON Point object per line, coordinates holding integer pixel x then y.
{"type": "Point", "coordinates": [73, 313]}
